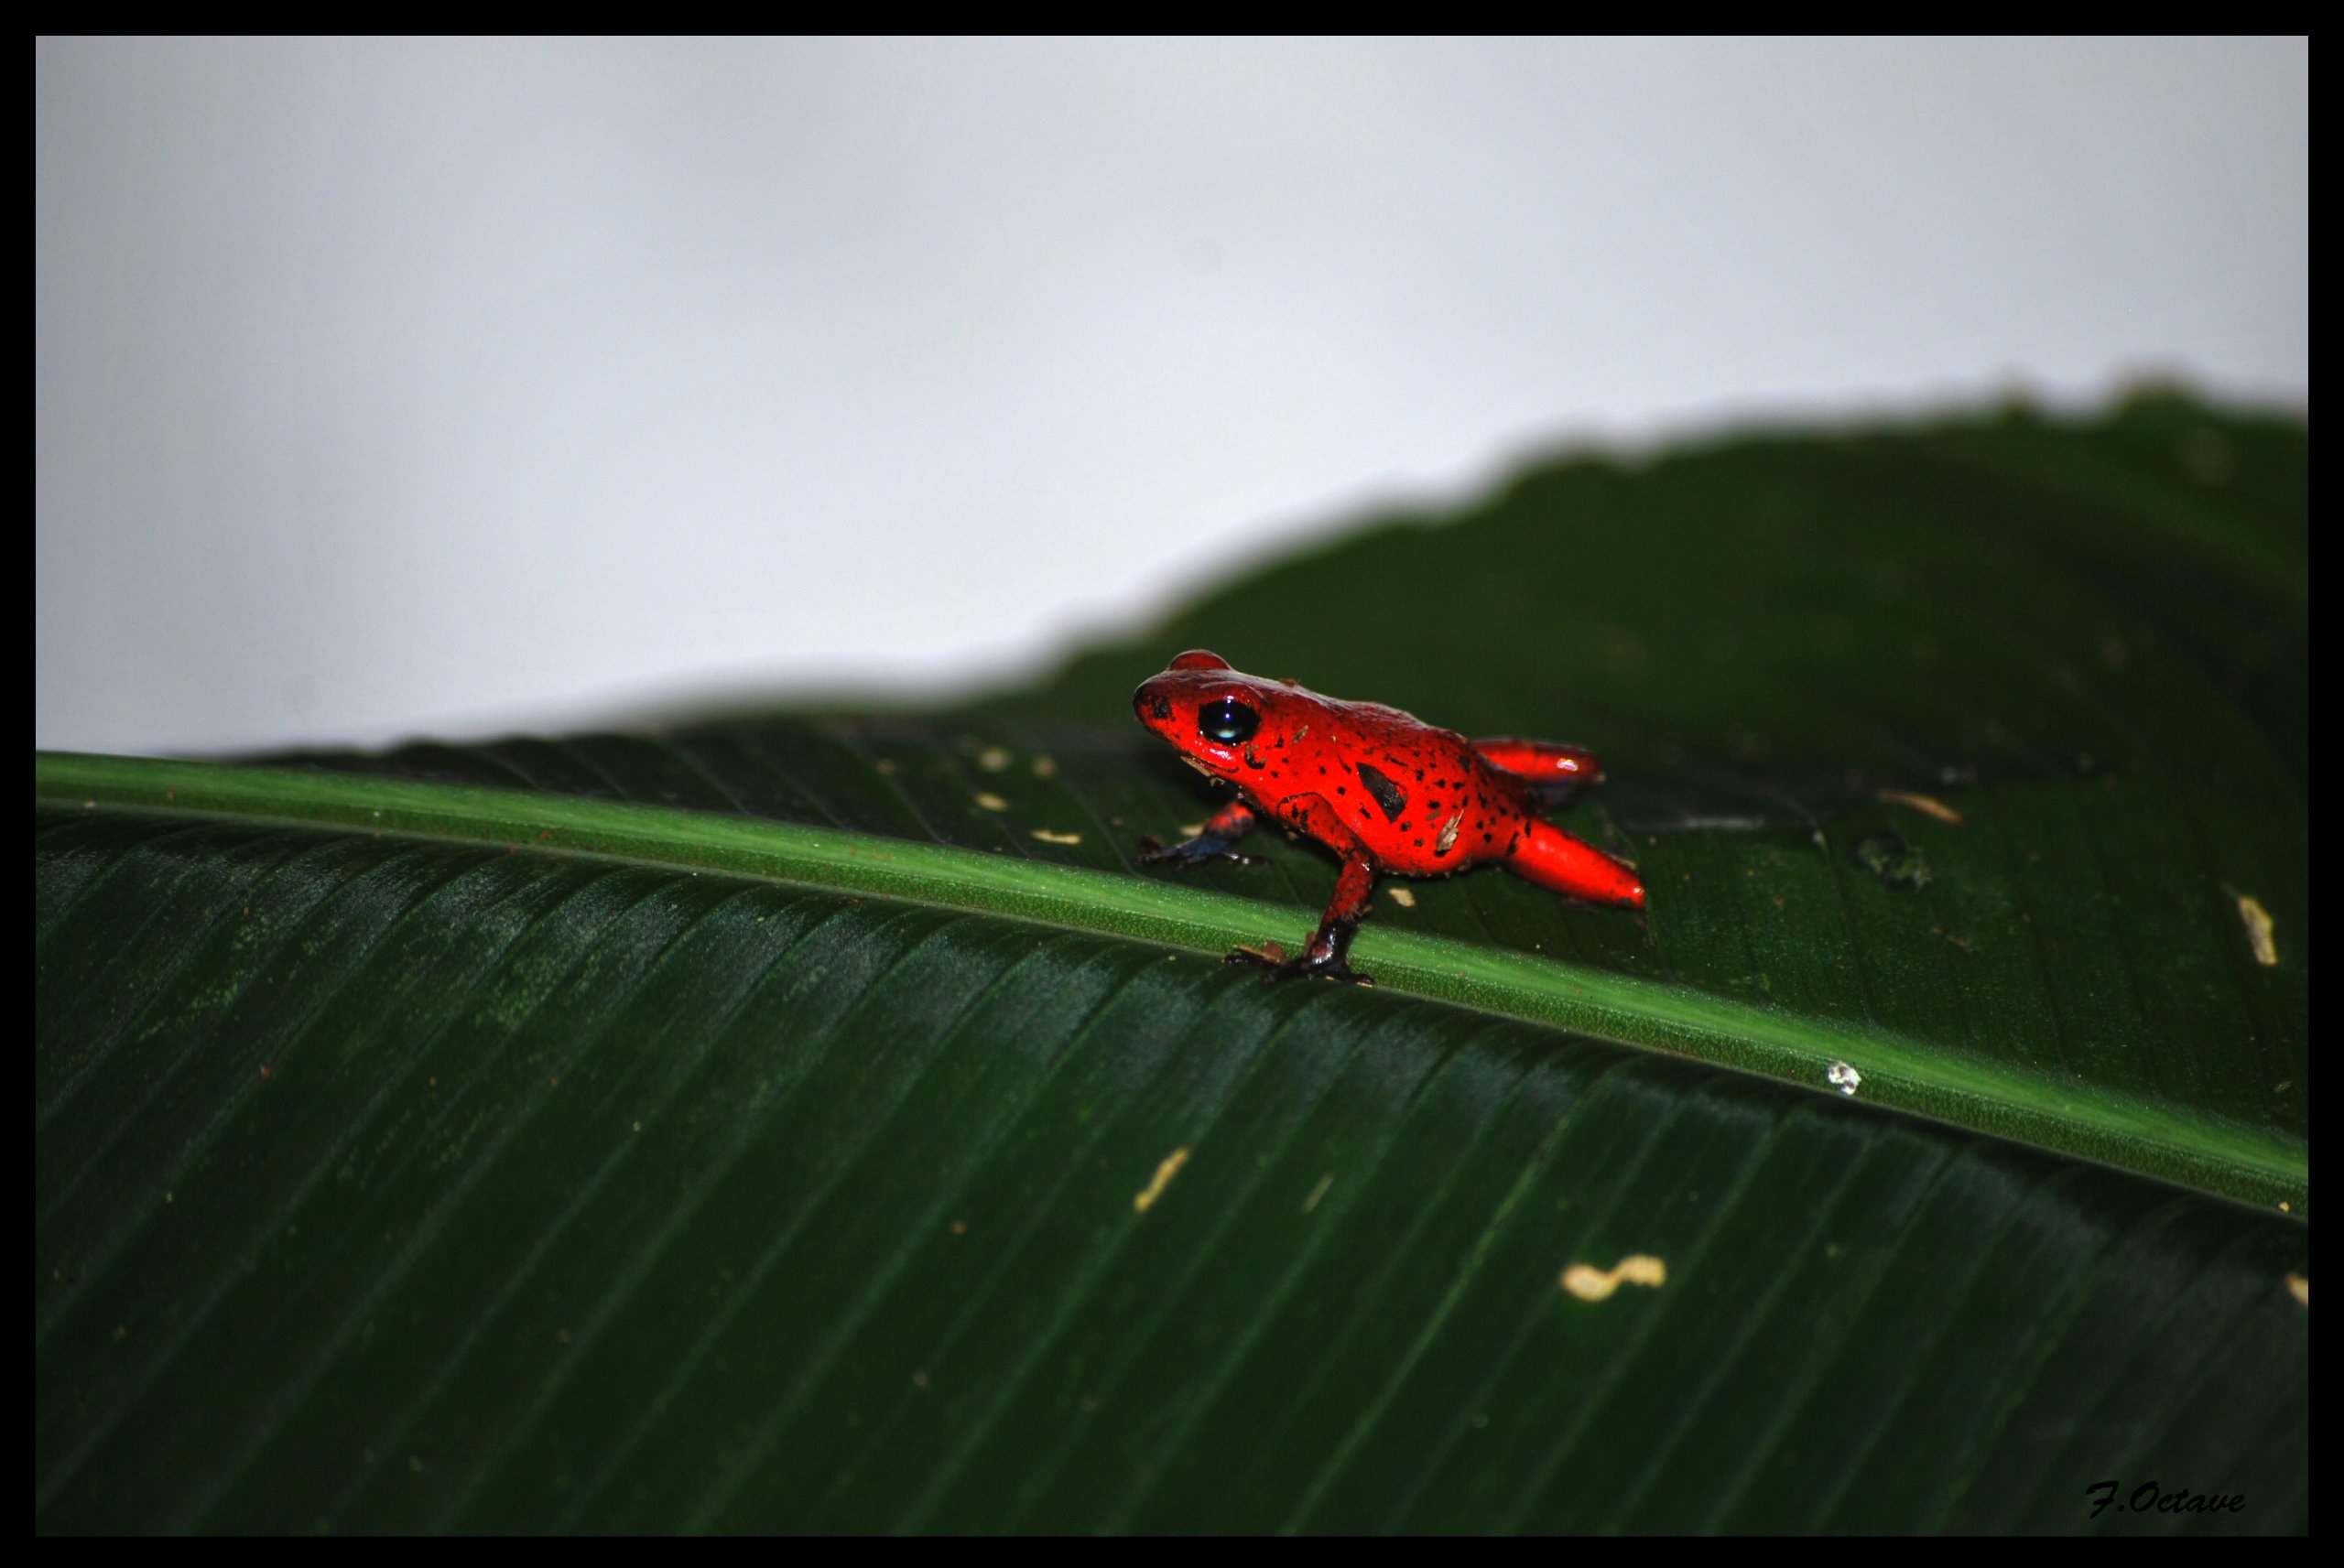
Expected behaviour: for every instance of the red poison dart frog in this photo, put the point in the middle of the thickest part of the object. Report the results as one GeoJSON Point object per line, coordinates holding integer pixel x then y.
{"type": "Point", "coordinates": [1384, 791]}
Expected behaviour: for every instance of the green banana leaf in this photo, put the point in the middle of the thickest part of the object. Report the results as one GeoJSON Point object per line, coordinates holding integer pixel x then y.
{"type": "Point", "coordinates": [816, 1120]}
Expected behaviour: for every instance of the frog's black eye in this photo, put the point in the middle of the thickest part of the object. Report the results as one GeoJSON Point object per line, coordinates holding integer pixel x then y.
{"type": "Point", "coordinates": [1228, 721]}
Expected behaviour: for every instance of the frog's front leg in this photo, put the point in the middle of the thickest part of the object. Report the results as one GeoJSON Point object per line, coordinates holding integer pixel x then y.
{"type": "Point", "coordinates": [1555, 773]}
{"type": "Point", "coordinates": [1223, 828]}
{"type": "Point", "coordinates": [1326, 954]}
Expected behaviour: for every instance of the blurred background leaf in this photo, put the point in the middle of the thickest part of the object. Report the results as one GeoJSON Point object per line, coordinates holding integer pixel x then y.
{"type": "Point", "coordinates": [404, 1179]}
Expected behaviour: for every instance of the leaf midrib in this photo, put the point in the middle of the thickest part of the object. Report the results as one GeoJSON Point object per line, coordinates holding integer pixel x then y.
{"type": "Point", "coordinates": [2209, 1154]}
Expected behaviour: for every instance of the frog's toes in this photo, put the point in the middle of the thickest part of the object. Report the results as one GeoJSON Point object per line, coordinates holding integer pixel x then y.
{"type": "Point", "coordinates": [1153, 851]}
{"type": "Point", "coordinates": [1274, 965]}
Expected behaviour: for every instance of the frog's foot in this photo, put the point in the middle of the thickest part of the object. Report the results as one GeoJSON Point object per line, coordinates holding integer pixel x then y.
{"type": "Point", "coordinates": [1196, 852]}
{"type": "Point", "coordinates": [1274, 965]}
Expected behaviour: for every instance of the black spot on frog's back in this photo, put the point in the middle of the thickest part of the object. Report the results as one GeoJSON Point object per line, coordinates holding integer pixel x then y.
{"type": "Point", "coordinates": [1388, 794]}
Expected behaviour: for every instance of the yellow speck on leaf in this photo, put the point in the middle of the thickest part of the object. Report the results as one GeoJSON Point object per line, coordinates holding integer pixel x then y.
{"type": "Point", "coordinates": [993, 759]}
{"type": "Point", "coordinates": [1590, 1284]}
{"type": "Point", "coordinates": [2299, 1287]}
{"type": "Point", "coordinates": [1926, 805]}
{"type": "Point", "coordinates": [993, 802]}
{"type": "Point", "coordinates": [1144, 1201]}
{"type": "Point", "coordinates": [2258, 931]}
{"type": "Point", "coordinates": [1405, 897]}
{"type": "Point", "coordinates": [1047, 836]}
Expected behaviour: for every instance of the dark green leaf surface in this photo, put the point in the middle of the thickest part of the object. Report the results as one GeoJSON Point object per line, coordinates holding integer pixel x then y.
{"type": "Point", "coordinates": [740, 1126]}
{"type": "Point", "coordinates": [390, 1184]}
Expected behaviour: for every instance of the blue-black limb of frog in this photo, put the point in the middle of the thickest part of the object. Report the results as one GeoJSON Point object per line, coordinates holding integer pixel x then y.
{"type": "Point", "coordinates": [1326, 956]}
{"type": "Point", "coordinates": [1553, 795]}
{"type": "Point", "coordinates": [1221, 830]}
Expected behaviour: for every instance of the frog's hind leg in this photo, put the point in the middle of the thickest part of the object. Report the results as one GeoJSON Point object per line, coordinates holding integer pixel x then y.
{"type": "Point", "coordinates": [1547, 855]}
{"type": "Point", "coordinates": [1555, 773]}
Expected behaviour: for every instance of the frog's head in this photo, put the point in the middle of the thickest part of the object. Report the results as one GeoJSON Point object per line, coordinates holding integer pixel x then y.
{"type": "Point", "coordinates": [1209, 712]}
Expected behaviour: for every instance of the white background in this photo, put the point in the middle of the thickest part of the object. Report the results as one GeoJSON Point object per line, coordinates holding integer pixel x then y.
{"type": "Point", "coordinates": [395, 388]}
